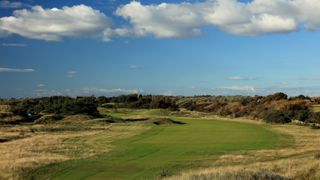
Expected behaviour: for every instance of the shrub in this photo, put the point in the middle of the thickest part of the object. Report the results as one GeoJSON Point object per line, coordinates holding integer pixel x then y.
{"type": "Point", "coordinates": [55, 105]}
{"type": "Point", "coordinates": [276, 117]}
{"type": "Point", "coordinates": [314, 118]}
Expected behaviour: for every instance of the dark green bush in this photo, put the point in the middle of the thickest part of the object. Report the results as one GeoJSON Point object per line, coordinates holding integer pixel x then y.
{"type": "Point", "coordinates": [276, 117]}
{"type": "Point", "coordinates": [314, 118]}
{"type": "Point", "coordinates": [56, 105]}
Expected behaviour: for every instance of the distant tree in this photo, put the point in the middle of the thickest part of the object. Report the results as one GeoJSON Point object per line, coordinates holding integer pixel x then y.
{"type": "Point", "coordinates": [277, 96]}
{"type": "Point", "coordinates": [300, 97]}
{"type": "Point", "coordinates": [102, 100]}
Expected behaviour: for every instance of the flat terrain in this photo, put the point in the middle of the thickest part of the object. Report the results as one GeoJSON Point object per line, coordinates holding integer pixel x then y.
{"type": "Point", "coordinates": [167, 149]}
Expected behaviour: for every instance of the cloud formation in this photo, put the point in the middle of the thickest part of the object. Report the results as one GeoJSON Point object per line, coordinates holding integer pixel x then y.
{"type": "Point", "coordinates": [165, 20]}
{"type": "Point", "coordinates": [14, 45]}
{"type": "Point", "coordinates": [10, 4]}
{"type": "Point", "coordinates": [187, 19]}
{"type": "Point", "coordinates": [41, 92]}
{"type": "Point", "coordinates": [54, 24]}
{"type": "Point", "coordinates": [117, 91]}
{"type": "Point", "coordinates": [240, 88]}
{"type": "Point", "coordinates": [41, 85]}
{"type": "Point", "coordinates": [13, 70]}
{"type": "Point", "coordinates": [238, 78]}
{"type": "Point", "coordinates": [72, 74]}
{"type": "Point", "coordinates": [133, 67]}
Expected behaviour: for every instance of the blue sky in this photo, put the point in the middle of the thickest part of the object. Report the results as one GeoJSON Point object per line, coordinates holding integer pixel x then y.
{"type": "Point", "coordinates": [147, 47]}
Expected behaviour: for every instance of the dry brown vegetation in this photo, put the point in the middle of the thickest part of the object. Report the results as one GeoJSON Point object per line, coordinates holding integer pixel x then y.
{"type": "Point", "coordinates": [298, 162]}
{"type": "Point", "coordinates": [31, 146]}
{"type": "Point", "coordinates": [316, 108]}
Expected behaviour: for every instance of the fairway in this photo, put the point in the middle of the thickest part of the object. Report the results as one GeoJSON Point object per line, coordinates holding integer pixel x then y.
{"type": "Point", "coordinates": [166, 149]}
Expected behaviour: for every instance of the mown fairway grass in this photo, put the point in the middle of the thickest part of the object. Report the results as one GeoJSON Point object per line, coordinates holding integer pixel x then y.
{"type": "Point", "coordinates": [168, 149]}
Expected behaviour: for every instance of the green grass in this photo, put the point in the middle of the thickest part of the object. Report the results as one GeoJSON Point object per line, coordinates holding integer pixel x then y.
{"type": "Point", "coordinates": [136, 113]}
{"type": "Point", "coordinates": [168, 149]}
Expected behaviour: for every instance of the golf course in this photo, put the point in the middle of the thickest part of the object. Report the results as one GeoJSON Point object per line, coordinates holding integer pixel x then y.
{"type": "Point", "coordinates": [164, 150]}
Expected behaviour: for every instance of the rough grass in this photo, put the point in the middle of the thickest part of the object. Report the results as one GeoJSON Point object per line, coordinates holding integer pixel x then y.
{"type": "Point", "coordinates": [151, 113]}
{"type": "Point", "coordinates": [165, 150]}
{"type": "Point", "coordinates": [316, 108]}
{"type": "Point", "coordinates": [32, 146]}
{"type": "Point", "coordinates": [4, 108]}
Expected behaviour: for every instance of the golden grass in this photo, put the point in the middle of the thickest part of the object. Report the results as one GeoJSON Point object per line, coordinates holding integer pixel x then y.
{"type": "Point", "coordinates": [38, 148]}
{"type": "Point", "coordinates": [316, 108]}
{"type": "Point", "coordinates": [297, 162]}
{"type": "Point", "coordinates": [4, 108]}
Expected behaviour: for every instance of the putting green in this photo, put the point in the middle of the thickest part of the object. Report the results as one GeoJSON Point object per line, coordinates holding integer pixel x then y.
{"type": "Point", "coordinates": [167, 149]}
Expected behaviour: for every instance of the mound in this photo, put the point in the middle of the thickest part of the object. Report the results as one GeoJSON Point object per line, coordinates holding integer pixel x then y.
{"type": "Point", "coordinates": [10, 118]}
{"type": "Point", "coordinates": [135, 119]}
{"type": "Point", "coordinates": [110, 119]}
{"type": "Point", "coordinates": [156, 121]}
{"type": "Point", "coordinates": [165, 121]}
{"type": "Point", "coordinates": [46, 119]}
{"type": "Point", "coordinates": [78, 117]}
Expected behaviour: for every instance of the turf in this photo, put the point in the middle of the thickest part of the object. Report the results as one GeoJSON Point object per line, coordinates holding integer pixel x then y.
{"type": "Point", "coordinates": [163, 150]}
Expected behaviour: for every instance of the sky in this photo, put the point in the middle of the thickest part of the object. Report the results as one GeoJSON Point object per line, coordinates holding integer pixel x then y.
{"type": "Point", "coordinates": [195, 47]}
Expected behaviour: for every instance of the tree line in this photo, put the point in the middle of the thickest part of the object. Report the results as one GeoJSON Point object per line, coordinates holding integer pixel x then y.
{"type": "Point", "coordinates": [53, 105]}
{"type": "Point", "coordinates": [277, 108]}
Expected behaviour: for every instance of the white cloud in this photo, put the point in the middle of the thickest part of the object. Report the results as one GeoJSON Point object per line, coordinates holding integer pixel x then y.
{"type": "Point", "coordinates": [10, 4]}
{"type": "Point", "coordinates": [262, 24]}
{"type": "Point", "coordinates": [164, 20]}
{"type": "Point", "coordinates": [46, 92]}
{"type": "Point", "coordinates": [226, 12]}
{"type": "Point", "coordinates": [167, 20]}
{"type": "Point", "coordinates": [186, 19]}
{"type": "Point", "coordinates": [72, 74]}
{"type": "Point", "coordinates": [14, 44]}
{"type": "Point", "coordinates": [167, 93]}
{"type": "Point", "coordinates": [54, 24]}
{"type": "Point", "coordinates": [133, 66]}
{"type": "Point", "coordinates": [308, 11]}
{"type": "Point", "coordinates": [240, 88]}
{"type": "Point", "coordinates": [41, 85]}
{"type": "Point", "coordinates": [252, 18]}
{"type": "Point", "coordinates": [13, 70]}
{"type": "Point", "coordinates": [238, 78]}
{"type": "Point", "coordinates": [109, 91]}
{"type": "Point", "coordinates": [118, 32]}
